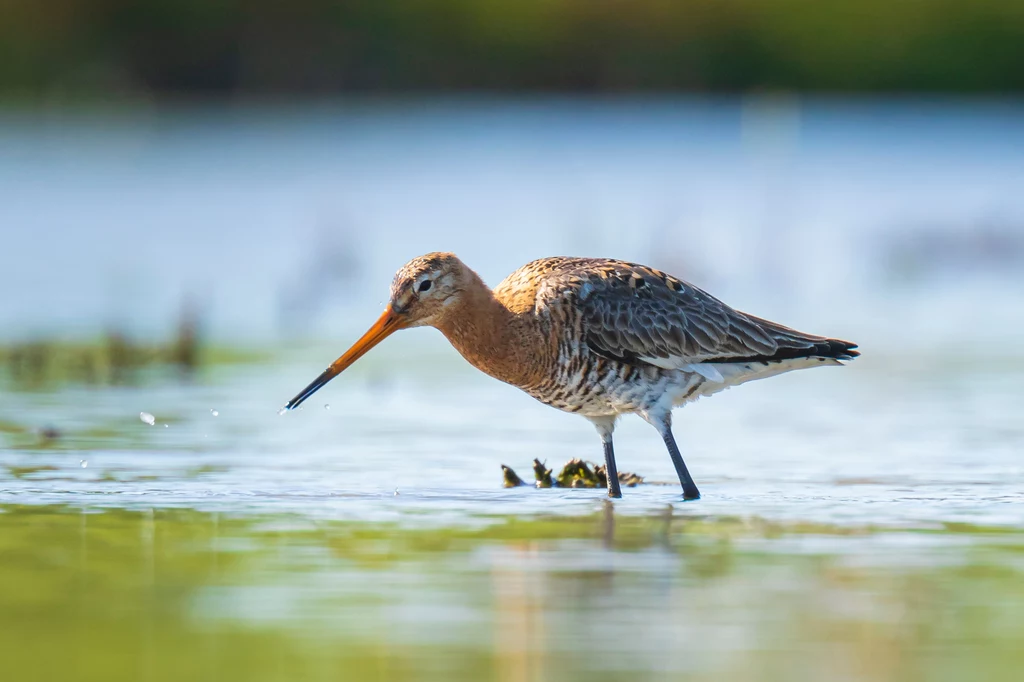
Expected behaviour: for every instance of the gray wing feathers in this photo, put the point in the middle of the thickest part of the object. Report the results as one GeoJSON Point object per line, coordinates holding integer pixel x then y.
{"type": "Point", "coordinates": [631, 312]}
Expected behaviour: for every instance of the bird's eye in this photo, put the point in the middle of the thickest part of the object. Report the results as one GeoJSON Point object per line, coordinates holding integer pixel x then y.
{"type": "Point", "coordinates": [425, 285]}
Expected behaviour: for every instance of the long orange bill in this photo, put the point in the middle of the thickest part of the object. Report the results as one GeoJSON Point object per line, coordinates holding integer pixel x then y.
{"type": "Point", "coordinates": [387, 324]}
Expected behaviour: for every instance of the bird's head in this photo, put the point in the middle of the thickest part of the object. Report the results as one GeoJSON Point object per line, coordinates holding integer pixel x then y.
{"type": "Point", "coordinates": [426, 289]}
{"type": "Point", "coordinates": [423, 293]}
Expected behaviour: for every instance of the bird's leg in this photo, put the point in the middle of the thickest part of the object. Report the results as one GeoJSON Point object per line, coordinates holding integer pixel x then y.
{"type": "Point", "coordinates": [605, 427]}
{"type": "Point", "coordinates": [664, 426]}
{"type": "Point", "coordinates": [611, 473]}
{"type": "Point", "coordinates": [690, 491]}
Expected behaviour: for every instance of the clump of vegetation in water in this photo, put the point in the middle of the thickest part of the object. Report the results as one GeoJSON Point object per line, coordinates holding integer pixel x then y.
{"type": "Point", "coordinates": [542, 474]}
{"type": "Point", "coordinates": [511, 479]}
{"type": "Point", "coordinates": [575, 474]}
{"type": "Point", "coordinates": [626, 478]}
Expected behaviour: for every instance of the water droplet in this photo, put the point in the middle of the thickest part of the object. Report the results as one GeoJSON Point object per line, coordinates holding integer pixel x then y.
{"type": "Point", "coordinates": [215, 413]}
{"type": "Point", "coordinates": [84, 463]}
{"type": "Point", "coordinates": [147, 418]}
{"type": "Point", "coordinates": [282, 412]}
{"type": "Point", "coordinates": [166, 426]}
{"type": "Point", "coordinates": [327, 407]}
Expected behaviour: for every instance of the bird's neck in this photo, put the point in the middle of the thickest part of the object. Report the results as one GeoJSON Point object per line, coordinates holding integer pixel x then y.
{"type": "Point", "coordinates": [507, 345]}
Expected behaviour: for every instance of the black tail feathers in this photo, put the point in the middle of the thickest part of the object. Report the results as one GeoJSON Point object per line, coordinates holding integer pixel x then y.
{"type": "Point", "coordinates": [835, 348]}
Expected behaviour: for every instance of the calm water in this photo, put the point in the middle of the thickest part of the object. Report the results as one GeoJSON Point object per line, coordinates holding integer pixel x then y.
{"type": "Point", "coordinates": [183, 594]}
{"type": "Point", "coordinates": [857, 523]}
{"type": "Point", "coordinates": [882, 441]}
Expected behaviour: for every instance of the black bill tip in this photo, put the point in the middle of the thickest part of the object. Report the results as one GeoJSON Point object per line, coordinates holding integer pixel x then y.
{"type": "Point", "coordinates": [313, 387]}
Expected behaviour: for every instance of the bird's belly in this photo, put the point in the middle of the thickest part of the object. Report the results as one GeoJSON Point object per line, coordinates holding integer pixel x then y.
{"type": "Point", "coordinates": [619, 389]}
{"type": "Point", "coordinates": [601, 389]}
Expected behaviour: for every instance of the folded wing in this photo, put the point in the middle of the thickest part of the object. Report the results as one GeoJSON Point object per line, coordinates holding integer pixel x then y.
{"type": "Point", "coordinates": [637, 314]}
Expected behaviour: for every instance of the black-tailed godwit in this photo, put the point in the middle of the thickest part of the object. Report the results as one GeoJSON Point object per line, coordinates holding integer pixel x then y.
{"type": "Point", "coordinates": [597, 337]}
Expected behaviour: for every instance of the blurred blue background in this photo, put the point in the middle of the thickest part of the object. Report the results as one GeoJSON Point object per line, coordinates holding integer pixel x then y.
{"type": "Point", "coordinates": [287, 220]}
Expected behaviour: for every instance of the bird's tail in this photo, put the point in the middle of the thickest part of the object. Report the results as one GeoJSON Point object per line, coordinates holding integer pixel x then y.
{"type": "Point", "coordinates": [792, 344]}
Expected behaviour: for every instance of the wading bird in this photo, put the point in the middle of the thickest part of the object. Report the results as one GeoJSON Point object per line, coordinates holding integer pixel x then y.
{"type": "Point", "coordinates": [597, 337]}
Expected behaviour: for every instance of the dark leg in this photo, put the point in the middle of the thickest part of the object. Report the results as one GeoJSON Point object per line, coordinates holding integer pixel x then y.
{"type": "Point", "coordinates": [609, 468]}
{"type": "Point", "coordinates": [605, 426]}
{"type": "Point", "coordinates": [690, 491]}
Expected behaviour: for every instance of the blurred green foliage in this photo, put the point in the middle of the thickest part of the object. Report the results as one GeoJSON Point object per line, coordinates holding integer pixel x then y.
{"type": "Point", "coordinates": [115, 359]}
{"type": "Point", "coordinates": [132, 47]}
